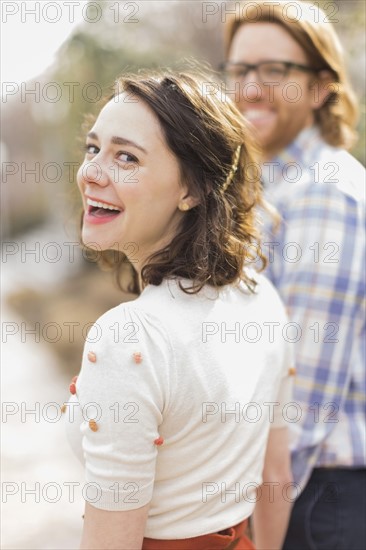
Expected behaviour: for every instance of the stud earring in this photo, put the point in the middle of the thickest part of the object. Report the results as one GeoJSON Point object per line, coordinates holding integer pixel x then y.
{"type": "Point", "coordinates": [184, 206]}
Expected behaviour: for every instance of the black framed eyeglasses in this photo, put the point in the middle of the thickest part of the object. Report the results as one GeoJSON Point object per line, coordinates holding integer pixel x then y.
{"type": "Point", "coordinates": [267, 71]}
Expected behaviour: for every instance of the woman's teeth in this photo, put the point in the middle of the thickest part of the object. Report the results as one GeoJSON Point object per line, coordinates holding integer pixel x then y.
{"type": "Point", "coordinates": [98, 204]}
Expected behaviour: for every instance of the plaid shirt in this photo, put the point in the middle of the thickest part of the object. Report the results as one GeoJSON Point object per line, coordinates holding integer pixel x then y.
{"type": "Point", "coordinates": [317, 263]}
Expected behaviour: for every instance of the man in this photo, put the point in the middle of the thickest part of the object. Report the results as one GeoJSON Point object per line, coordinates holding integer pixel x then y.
{"type": "Point", "coordinates": [286, 70]}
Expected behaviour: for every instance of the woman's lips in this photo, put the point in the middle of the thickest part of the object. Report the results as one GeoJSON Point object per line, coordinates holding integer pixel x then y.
{"type": "Point", "coordinates": [97, 217]}
{"type": "Point", "coordinates": [97, 211]}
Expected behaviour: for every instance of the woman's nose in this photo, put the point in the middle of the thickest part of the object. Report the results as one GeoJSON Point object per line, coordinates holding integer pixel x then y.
{"type": "Point", "coordinates": [94, 172]}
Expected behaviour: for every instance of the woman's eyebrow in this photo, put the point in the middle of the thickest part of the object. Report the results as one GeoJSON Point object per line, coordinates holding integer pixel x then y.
{"type": "Point", "coordinates": [119, 141]}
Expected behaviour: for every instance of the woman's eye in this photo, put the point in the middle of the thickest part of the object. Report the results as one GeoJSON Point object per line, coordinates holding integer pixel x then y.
{"type": "Point", "coordinates": [91, 149]}
{"type": "Point", "coordinates": [126, 157]}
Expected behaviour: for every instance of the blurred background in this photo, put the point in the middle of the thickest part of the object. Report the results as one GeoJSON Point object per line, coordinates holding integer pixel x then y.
{"type": "Point", "coordinates": [58, 59]}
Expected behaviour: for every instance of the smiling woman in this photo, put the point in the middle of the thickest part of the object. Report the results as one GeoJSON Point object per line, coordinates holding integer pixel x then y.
{"type": "Point", "coordinates": [153, 143]}
{"type": "Point", "coordinates": [130, 181]}
{"type": "Point", "coordinates": [170, 170]}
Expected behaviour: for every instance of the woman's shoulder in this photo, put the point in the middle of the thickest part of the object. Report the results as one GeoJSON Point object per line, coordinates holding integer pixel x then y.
{"type": "Point", "coordinates": [160, 306]}
{"type": "Point", "coordinates": [267, 295]}
{"type": "Point", "coordinates": [139, 321]}
{"type": "Point", "coordinates": [138, 308]}
{"type": "Point", "coordinates": [122, 338]}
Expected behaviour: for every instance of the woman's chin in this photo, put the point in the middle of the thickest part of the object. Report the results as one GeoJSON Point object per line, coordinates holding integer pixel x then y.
{"type": "Point", "coordinates": [90, 241]}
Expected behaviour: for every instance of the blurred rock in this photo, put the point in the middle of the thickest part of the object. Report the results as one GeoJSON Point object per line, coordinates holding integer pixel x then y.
{"type": "Point", "coordinates": [66, 312]}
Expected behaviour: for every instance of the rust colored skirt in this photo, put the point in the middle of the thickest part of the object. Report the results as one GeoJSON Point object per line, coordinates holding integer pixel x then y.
{"type": "Point", "coordinates": [233, 538]}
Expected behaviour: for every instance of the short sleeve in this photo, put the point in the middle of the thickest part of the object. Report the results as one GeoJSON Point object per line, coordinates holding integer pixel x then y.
{"type": "Point", "coordinates": [123, 390]}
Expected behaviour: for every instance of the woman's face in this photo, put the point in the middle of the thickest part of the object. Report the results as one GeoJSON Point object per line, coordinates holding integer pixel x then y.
{"type": "Point", "coordinates": [129, 181]}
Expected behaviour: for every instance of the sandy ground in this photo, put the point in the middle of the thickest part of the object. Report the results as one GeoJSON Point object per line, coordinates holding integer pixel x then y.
{"type": "Point", "coordinates": [37, 464]}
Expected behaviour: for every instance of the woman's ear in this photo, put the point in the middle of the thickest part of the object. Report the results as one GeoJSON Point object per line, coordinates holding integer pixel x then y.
{"type": "Point", "coordinates": [321, 88]}
{"type": "Point", "coordinates": [188, 200]}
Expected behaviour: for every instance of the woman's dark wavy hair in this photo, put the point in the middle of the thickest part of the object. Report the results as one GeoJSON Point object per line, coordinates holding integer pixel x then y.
{"type": "Point", "coordinates": [203, 128]}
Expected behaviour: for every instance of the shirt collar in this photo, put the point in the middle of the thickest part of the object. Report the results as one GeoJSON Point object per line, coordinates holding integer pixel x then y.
{"type": "Point", "coordinates": [302, 152]}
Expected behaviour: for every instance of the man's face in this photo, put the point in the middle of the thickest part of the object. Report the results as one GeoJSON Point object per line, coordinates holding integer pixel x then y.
{"type": "Point", "coordinates": [277, 110]}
